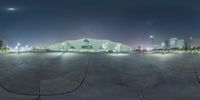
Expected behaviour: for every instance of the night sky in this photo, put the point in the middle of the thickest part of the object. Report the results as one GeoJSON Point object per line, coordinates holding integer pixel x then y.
{"type": "Point", "coordinates": [43, 22]}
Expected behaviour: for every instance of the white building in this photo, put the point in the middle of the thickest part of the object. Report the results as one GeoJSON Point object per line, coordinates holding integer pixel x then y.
{"type": "Point", "coordinates": [90, 45]}
{"type": "Point", "coordinates": [180, 43]}
{"type": "Point", "coordinates": [173, 42]}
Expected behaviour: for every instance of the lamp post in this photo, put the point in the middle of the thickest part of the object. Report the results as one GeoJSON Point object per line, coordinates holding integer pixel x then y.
{"type": "Point", "coordinates": [63, 46]}
{"type": "Point", "coordinates": [18, 48]}
{"type": "Point", "coordinates": [151, 36]}
{"type": "Point", "coordinates": [152, 40]}
{"type": "Point", "coordinates": [163, 44]}
{"type": "Point", "coordinates": [191, 42]}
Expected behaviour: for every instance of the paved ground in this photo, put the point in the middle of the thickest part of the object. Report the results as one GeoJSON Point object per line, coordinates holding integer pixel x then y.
{"type": "Point", "coordinates": [99, 76]}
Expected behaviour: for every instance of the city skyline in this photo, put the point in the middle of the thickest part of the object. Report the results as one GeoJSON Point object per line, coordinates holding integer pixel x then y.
{"type": "Point", "coordinates": [39, 23]}
{"type": "Point", "coordinates": [156, 42]}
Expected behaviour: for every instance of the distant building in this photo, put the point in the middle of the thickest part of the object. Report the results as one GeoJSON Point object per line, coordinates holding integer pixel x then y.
{"type": "Point", "coordinates": [166, 44]}
{"type": "Point", "coordinates": [157, 46]}
{"type": "Point", "coordinates": [173, 42]}
{"type": "Point", "coordinates": [190, 43]}
{"type": "Point", "coordinates": [90, 45]}
{"type": "Point", "coordinates": [187, 45]}
{"type": "Point", "coordinates": [176, 43]}
{"type": "Point", "coordinates": [181, 44]}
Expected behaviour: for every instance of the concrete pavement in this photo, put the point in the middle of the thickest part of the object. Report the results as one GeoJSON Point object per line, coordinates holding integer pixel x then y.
{"type": "Point", "coordinates": [109, 76]}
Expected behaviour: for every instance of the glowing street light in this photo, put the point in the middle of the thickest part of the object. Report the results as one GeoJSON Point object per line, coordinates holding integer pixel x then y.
{"type": "Point", "coordinates": [151, 36]}
{"type": "Point", "coordinates": [152, 40]}
{"type": "Point", "coordinates": [149, 49]}
{"type": "Point", "coordinates": [11, 9]}
{"type": "Point", "coordinates": [163, 44]}
{"type": "Point", "coordinates": [18, 44]}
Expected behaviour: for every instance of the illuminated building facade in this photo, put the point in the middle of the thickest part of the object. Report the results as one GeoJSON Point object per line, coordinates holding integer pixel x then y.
{"type": "Point", "coordinates": [173, 42]}
{"type": "Point", "coordinates": [90, 45]}
{"type": "Point", "coordinates": [181, 44]}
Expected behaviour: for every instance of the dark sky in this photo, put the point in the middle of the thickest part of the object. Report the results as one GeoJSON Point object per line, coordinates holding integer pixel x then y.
{"type": "Point", "coordinates": [42, 22]}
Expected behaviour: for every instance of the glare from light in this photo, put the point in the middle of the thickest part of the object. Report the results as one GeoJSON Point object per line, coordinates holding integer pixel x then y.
{"type": "Point", "coordinates": [55, 54]}
{"type": "Point", "coordinates": [65, 55]}
{"type": "Point", "coordinates": [149, 49]}
{"type": "Point", "coordinates": [162, 56]}
{"type": "Point", "coordinates": [163, 44]}
{"type": "Point", "coordinates": [22, 49]}
{"type": "Point", "coordinates": [118, 54]}
{"type": "Point", "coordinates": [69, 54]}
{"type": "Point", "coordinates": [18, 44]}
{"type": "Point", "coordinates": [151, 36]}
{"type": "Point", "coordinates": [11, 9]}
{"type": "Point", "coordinates": [16, 47]}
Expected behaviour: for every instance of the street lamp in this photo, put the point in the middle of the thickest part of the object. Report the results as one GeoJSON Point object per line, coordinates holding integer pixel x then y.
{"type": "Point", "coordinates": [18, 44]}
{"type": "Point", "coordinates": [63, 45]}
{"type": "Point", "coordinates": [18, 47]}
{"type": "Point", "coordinates": [11, 9]}
{"type": "Point", "coordinates": [152, 41]}
{"type": "Point", "coordinates": [191, 42]}
{"type": "Point", "coordinates": [163, 44]}
{"type": "Point", "coordinates": [151, 36]}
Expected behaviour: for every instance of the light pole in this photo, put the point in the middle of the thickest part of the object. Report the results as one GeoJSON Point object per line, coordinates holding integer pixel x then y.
{"type": "Point", "coordinates": [151, 36]}
{"type": "Point", "coordinates": [152, 40]}
{"type": "Point", "coordinates": [191, 42]}
{"type": "Point", "coordinates": [163, 44]}
{"type": "Point", "coordinates": [63, 46]}
{"type": "Point", "coordinates": [18, 48]}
